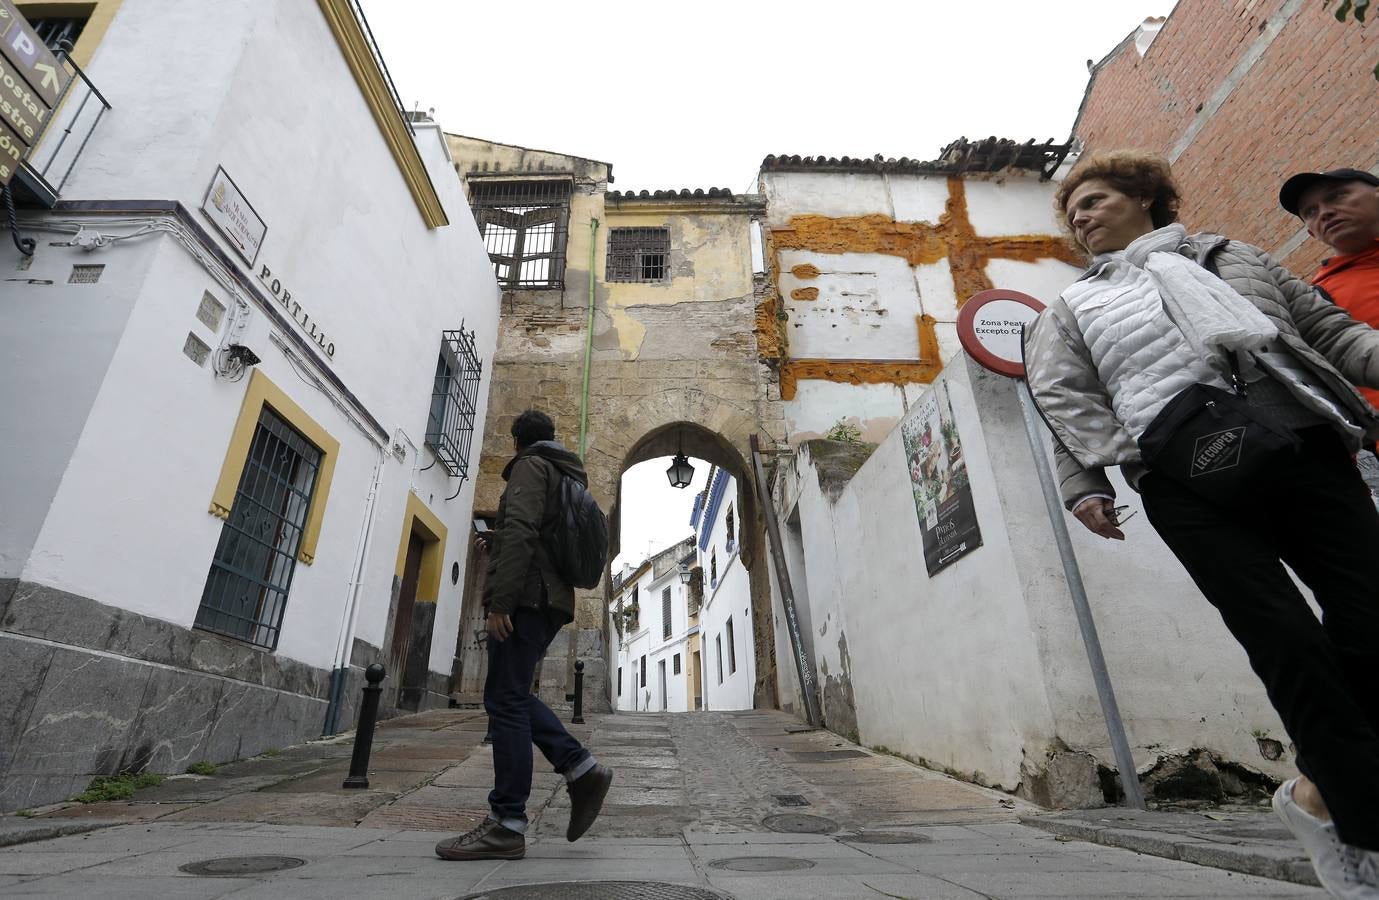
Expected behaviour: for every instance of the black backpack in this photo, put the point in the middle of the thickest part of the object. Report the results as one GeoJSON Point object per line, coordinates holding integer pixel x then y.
{"type": "Point", "coordinates": [577, 539]}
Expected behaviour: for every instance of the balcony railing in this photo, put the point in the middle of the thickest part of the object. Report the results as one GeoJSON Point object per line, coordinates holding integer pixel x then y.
{"type": "Point", "coordinates": [59, 145]}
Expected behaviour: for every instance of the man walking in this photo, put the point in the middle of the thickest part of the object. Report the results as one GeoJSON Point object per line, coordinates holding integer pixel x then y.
{"type": "Point", "coordinates": [527, 603]}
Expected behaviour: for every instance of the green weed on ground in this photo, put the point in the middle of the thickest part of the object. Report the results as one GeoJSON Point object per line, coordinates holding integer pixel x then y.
{"type": "Point", "coordinates": [202, 768]}
{"type": "Point", "coordinates": [116, 787]}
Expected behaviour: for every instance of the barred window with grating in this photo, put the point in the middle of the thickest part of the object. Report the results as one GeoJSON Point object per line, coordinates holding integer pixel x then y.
{"type": "Point", "coordinates": [454, 399]}
{"type": "Point", "coordinates": [251, 573]}
{"type": "Point", "coordinates": [524, 224]}
{"type": "Point", "coordinates": [665, 614]}
{"type": "Point", "coordinates": [53, 30]}
{"type": "Point", "coordinates": [675, 661]}
{"type": "Point", "coordinates": [732, 649]}
{"type": "Point", "coordinates": [638, 254]}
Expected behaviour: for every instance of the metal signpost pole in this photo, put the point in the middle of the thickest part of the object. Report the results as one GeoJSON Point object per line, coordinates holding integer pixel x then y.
{"type": "Point", "coordinates": [1120, 745]}
{"type": "Point", "coordinates": [991, 327]}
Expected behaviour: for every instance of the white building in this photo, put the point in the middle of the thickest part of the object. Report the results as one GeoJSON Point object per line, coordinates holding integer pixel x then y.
{"type": "Point", "coordinates": [933, 607]}
{"type": "Point", "coordinates": [244, 365]}
{"type": "Point", "coordinates": [725, 616]}
{"type": "Point", "coordinates": [651, 631]}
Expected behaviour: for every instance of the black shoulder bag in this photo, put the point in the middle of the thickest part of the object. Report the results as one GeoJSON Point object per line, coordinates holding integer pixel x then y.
{"type": "Point", "coordinates": [1214, 443]}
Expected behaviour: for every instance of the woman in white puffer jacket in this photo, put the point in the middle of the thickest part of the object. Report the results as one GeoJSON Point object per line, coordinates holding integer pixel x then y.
{"type": "Point", "coordinates": [1158, 311]}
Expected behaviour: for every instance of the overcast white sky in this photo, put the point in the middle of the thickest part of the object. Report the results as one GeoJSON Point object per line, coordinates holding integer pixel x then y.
{"type": "Point", "coordinates": [695, 95]}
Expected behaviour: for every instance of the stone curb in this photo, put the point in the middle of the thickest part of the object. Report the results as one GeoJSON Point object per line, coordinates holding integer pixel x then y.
{"type": "Point", "coordinates": [23, 831]}
{"type": "Point", "coordinates": [1276, 862]}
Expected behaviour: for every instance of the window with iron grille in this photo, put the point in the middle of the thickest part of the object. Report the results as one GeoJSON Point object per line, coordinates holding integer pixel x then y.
{"type": "Point", "coordinates": [643, 672]}
{"type": "Point", "coordinates": [619, 681]}
{"type": "Point", "coordinates": [638, 254]}
{"type": "Point", "coordinates": [675, 663]}
{"type": "Point", "coordinates": [665, 613]}
{"type": "Point", "coordinates": [53, 30]}
{"type": "Point", "coordinates": [732, 650]}
{"type": "Point", "coordinates": [251, 573]}
{"type": "Point", "coordinates": [454, 398]}
{"type": "Point", "coordinates": [524, 224]}
{"type": "Point", "coordinates": [718, 645]}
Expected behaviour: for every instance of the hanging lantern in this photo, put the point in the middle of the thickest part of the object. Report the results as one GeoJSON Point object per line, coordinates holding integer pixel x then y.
{"type": "Point", "coordinates": [680, 473]}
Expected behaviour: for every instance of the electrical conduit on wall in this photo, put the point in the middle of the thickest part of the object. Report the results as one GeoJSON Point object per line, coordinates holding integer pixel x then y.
{"type": "Point", "coordinates": [347, 624]}
{"type": "Point", "coordinates": [588, 342]}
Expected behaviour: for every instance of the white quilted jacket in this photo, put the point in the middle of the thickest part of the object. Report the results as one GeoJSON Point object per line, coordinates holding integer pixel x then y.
{"type": "Point", "coordinates": [1139, 354]}
{"type": "Point", "coordinates": [1074, 396]}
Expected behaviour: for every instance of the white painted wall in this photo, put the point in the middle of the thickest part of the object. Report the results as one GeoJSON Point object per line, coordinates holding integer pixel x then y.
{"type": "Point", "coordinates": [129, 524]}
{"type": "Point", "coordinates": [729, 599]}
{"type": "Point", "coordinates": [649, 640]}
{"type": "Point", "coordinates": [868, 304]}
{"type": "Point", "coordinates": [981, 667]}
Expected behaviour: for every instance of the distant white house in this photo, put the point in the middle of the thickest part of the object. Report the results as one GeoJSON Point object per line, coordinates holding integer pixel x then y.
{"type": "Point", "coordinates": [656, 668]}
{"type": "Point", "coordinates": [725, 616]}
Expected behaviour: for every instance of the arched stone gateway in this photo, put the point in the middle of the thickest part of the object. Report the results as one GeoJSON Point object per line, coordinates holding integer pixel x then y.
{"type": "Point", "coordinates": [729, 450]}
{"type": "Point", "coordinates": [658, 294]}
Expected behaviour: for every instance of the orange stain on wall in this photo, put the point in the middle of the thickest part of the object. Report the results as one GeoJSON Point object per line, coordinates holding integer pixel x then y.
{"type": "Point", "coordinates": [919, 243]}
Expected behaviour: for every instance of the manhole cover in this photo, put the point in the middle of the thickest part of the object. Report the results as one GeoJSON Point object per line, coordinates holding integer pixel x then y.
{"type": "Point", "coordinates": [761, 864]}
{"type": "Point", "coordinates": [230, 866]}
{"type": "Point", "coordinates": [799, 823]}
{"type": "Point", "coordinates": [598, 890]}
{"type": "Point", "coordinates": [826, 755]}
{"type": "Point", "coordinates": [791, 800]}
{"type": "Point", "coordinates": [886, 837]}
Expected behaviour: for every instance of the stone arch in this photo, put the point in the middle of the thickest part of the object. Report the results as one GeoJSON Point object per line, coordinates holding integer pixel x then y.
{"type": "Point", "coordinates": [708, 429]}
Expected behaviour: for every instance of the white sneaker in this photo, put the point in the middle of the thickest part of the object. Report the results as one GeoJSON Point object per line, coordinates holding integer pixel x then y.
{"type": "Point", "coordinates": [1347, 873]}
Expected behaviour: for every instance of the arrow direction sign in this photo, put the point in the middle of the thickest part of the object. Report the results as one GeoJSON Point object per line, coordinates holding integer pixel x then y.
{"type": "Point", "coordinates": [20, 45]}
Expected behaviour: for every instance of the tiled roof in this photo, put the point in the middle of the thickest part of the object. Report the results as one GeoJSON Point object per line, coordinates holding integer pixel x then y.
{"type": "Point", "coordinates": [988, 155]}
{"type": "Point", "coordinates": [682, 194]}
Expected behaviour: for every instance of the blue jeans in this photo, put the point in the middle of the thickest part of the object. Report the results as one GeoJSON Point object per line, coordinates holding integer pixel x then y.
{"type": "Point", "coordinates": [517, 718]}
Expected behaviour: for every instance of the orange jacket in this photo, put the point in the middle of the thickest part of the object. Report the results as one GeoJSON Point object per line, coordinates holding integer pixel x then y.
{"type": "Point", "coordinates": [1352, 283]}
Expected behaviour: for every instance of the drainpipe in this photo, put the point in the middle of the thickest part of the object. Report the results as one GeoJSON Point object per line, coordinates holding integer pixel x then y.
{"type": "Point", "coordinates": [346, 639]}
{"type": "Point", "coordinates": [588, 343]}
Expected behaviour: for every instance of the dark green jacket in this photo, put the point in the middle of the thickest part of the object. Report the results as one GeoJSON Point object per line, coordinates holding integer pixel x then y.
{"type": "Point", "coordinates": [520, 572]}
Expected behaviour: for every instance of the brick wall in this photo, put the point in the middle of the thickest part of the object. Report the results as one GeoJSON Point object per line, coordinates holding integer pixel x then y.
{"type": "Point", "coordinates": [1308, 101]}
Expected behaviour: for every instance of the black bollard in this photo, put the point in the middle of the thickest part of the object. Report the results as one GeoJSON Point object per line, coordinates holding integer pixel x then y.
{"type": "Point", "coordinates": [578, 717]}
{"type": "Point", "coordinates": [363, 735]}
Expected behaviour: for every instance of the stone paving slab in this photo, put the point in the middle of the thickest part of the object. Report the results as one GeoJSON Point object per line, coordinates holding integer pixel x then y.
{"type": "Point", "coordinates": [344, 808]}
{"type": "Point", "coordinates": [1249, 842]}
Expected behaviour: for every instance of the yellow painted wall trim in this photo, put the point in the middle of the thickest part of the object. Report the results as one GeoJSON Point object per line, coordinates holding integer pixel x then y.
{"type": "Point", "coordinates": [374, 86]}
{"type": "Point", "coordinates": [263, 392]}
{"type": "Point", "coordinates": [98, 15]}
{"type": "Point", "coordinates": [419, 518]}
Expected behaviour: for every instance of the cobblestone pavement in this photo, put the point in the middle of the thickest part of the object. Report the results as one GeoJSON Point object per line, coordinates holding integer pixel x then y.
{"type": "Point", "coordinates": [746, 805]}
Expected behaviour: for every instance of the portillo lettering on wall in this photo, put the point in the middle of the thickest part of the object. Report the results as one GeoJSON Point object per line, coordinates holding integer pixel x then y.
{"type": "Point", "coordinates": [294, 309]}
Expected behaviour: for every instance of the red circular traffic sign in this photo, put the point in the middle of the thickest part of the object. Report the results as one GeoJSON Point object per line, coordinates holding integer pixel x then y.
{"type": "Point", "coordinates": [989, 327]}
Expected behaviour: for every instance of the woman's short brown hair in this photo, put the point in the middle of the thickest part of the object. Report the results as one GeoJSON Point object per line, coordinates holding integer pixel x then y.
{"type": "Point", "coordinates": [1144, 176]}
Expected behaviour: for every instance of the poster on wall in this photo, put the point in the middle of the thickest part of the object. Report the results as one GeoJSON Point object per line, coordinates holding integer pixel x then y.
{"type": "Point", "coordinates": [938, 476]}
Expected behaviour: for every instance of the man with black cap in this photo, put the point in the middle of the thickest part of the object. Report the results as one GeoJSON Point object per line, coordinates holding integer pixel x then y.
{"type": "Point", "coordinates": [1341, 209]}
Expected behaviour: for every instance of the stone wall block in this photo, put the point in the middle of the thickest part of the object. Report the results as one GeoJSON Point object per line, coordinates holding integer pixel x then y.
{"type": "Point", "coordinates": [26, 665]}
{"type": "Point", "coordinates": [243, 724]}
{"type": "Point", "coordinates": [172, 727]}
{"type": "Point", "coordinates": [81, 721]}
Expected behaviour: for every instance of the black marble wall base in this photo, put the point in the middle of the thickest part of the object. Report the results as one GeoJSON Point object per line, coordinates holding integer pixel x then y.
{"type": "Point", "coordinates": [88, 689]}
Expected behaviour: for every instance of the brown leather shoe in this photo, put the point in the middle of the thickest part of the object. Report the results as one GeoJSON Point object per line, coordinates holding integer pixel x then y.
{"type": "Point", "coordinates": [586, 799]}
{"type": "Point", "coordinates": [488, 840]}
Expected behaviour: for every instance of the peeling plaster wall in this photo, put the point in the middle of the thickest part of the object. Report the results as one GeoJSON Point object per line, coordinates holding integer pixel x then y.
{"type": "Point", "coordinates": [680, 354]}
{"type": "Point", "coordinates": [868, 272]}
{"type": "Point", "coordinates": [980, 668]}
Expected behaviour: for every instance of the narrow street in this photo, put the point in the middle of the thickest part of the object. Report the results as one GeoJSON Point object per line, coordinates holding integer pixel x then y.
{"type": "Point", "coordinates": [746, 805]}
